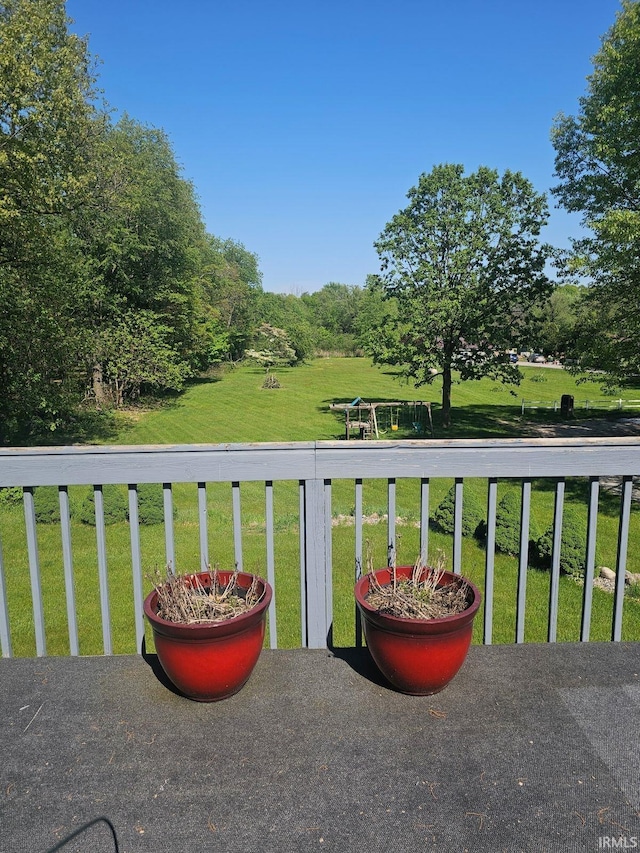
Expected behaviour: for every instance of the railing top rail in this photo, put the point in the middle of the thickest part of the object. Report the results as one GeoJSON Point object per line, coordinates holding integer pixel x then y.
{"type": "Point", "coordinates": [556, 457]}
{"type": "Point", "coordinates": [542, 457]}
{"type": "Point", "coordinates": [156, 463]}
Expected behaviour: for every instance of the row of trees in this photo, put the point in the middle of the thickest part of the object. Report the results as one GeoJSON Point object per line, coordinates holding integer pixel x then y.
{"type": "Point", "coordinates": [109, 282]}
{"type": "Point", "coordinates": [335, 320]}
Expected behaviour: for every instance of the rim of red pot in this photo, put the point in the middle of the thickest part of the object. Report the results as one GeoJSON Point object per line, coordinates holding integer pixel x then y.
{"type": "Point", "coordinates": [221, 627]}
{"type": "Point", "coordinates": [468, 612]}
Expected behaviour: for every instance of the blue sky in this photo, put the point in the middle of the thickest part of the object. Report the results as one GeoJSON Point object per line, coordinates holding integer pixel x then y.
{"type": "Point", "coordinates": [303, 123]}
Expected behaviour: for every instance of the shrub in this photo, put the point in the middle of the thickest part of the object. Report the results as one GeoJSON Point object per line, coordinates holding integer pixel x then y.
{"type": "Point", "coordinates": [47, 505]}
{"type": "Point", "coordinates": [271, 381]}
{"type": "Point", "coordinates": [150, 504]}
{"type": "Point", "coordinates": [10, 495]}
{"type": "Point", "coordinates": [115, 506]}
{"type": "Point", "coordinates": [508, 524]}
{"type": "Point", "coordinates": [572, 544]}
{"type": "Point", "coordinates": [472, 513]}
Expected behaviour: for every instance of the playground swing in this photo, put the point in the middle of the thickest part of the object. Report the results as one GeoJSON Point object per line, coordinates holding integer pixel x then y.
{"type": "Point", "coordinates": [380, 422]}
{"type": "Point", "coordinates": [416, 422]}
{"type": "Point", "coordinates": [375, 419]}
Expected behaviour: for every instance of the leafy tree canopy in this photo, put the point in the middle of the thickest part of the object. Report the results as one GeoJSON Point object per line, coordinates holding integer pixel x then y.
{"type": "Point", "coordinates": [598, 164]}
{"type": "Point", "coordinates": [232, 286]}
{"type": "Point", "coordinates": [272, 347]}
{"type": "Point", "coordinates": [48, 129]}
{"type": "Point", "coordinates": [464, 263]}
{"type": "Point", "coordinates": [555, 325]}
{"type": "Point", "coordinates": [108, 280]}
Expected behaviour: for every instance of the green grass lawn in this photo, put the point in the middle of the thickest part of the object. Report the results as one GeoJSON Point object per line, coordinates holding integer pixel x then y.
{"type": "Point", "coordinates": [235, 408]}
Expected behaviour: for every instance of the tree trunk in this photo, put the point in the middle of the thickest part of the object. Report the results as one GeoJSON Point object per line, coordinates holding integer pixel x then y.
{"type": "Point", "coordinates": [97, 384]}
{"type": "Point", "coordinates": [446, 397]}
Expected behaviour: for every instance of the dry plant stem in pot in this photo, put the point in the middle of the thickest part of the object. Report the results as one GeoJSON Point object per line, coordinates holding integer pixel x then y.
{"type": "Point", "coordinates": [418, 623]}
{"type": "Point", "coordinates": [208, 630]}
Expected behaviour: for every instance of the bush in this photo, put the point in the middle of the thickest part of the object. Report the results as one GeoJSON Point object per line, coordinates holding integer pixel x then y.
{"type": "Point", "coordinates": [573, 544]}
{"type": "Point", "coordinates": [115, 506]}
{"type": "Point", "coordinates": [10, 495]}
{"type": "Point", "coordinates": [508, 524]}
{"type": "Point", "coordinates": [150, 504]}
{"type": "Point", "coordinates": [472, 513]}
{"type": "Point", "coordinates": [271, 381]}
{"type": "Point", "coordinates": [47, 505]}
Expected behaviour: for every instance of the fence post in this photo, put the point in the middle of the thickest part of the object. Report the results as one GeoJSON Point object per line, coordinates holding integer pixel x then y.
{"type": "Point", "coordinates": [5, 635]}
{"type": "Point", "coordinates": [317, 569]}
{"type": "Point", "coordinates": [34, 570]}
{"type": "Point", "coordinates": [525, 512]}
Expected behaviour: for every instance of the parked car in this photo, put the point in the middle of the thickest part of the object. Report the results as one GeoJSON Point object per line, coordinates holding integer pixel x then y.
{"type": "Point", "coordinates": [536, 358]}
{"type": "Point", "coordinates": [513, 358]}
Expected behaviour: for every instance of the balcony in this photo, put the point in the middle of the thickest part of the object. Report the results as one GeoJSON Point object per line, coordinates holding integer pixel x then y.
{"type": "Point", "coordinates": [534, 746]}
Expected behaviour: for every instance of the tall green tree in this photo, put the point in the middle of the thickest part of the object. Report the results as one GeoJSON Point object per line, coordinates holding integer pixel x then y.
{"type": "Point", "coordinates": [232, 285]}
{"type": "Point", "coordinates": [144, 240]}
{"type": "Point", "coordinates": [135, 353]}
{"type": "Point", "coordinates": [598, 164]}
{"type": "Point", "coordinates": [555, 324]}
{"type": "Point", "coordinates": [289, 312]}
{"type": "Point", "coordinates": [48, 127]}
{"type": "Point", "coordinates": [464, 263]}
{"type": "Point", "coordinates": [378, 311]}
{"type": "Point", "coordinates": [334, 311]}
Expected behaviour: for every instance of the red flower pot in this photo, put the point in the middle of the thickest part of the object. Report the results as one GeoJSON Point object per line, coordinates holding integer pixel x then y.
{"type": "Point", "coordinates": [418, 656]}
{"type": "Point", "coordinates": [211, 660]}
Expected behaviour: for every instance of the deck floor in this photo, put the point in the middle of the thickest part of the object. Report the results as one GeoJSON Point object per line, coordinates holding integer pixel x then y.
{"type": "Point", "coordinates": [531, 748]}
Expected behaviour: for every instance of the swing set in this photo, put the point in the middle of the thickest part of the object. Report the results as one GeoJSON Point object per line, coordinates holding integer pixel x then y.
{"type": "Point", "coordinates": [376, 420]}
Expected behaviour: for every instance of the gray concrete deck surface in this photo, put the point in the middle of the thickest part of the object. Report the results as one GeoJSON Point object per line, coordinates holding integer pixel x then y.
{"type": "Point", "coordinates": [531, 748]}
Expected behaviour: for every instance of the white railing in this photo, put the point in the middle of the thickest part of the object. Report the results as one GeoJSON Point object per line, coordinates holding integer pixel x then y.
{"type": "Point", "coordinates": [610, 403]}
{"type": "Point", "coordinates": [539, 404]}
{"type": "Point", "coordinates": [315, 467]}
{"type": "Point", "coordinates": [607, 403]}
